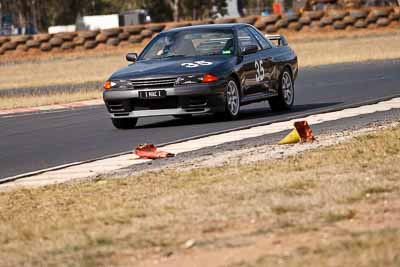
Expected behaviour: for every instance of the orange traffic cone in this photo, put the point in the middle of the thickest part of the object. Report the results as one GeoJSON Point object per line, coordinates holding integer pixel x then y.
{"type": "Point", "coordinates": [149, 151]}
{"type": "Point", "coordinates": [301, 133]}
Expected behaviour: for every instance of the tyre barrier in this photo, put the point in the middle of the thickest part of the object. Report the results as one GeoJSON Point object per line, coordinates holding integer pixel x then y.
{"type": "Point", "coordinates": [146, 33]}
{"type": "Point", "coordinates": [123, 36]}
{"type": "Point", "coordinates": [88, 35]}
{"type": "Point", "coordinates": [4, 40]}
{"type": "Point", "coordinates": [325, 21]}
{"type": "Point", "coordinates": [22, 47]}
{"type": "Point", "coordinates": [260, 25]}
{"type": "Point", "coordinates": [111, 32]}
{"type": "Point", "coordinates": [349, 20]}
{"type": "Point", "coordinates": [394, 16]}
{"type": "Point", "coordinates": [114, 41]}
{"type": "Point", "coordinates": [21, 39]}
{"type": "Point", "coordinates": [33, 44]}
{"type": "Point", "coordinates": [271, 19]}
{"type": "Point", "coordinates": [305, 20]}
{"type": "Point", "coordinates": [199, 22]}
{"type": "Point", "coordinates": [56, 41]}
{"type": "Point", "coordinates": [90, 44]}
{"type": "Point", "coordinates": [339, 25]}
{"type": "Point", "coordinates": [314, 15]}
{"type": "Point", "coordinates": [101, 38]}
{"type": "Point", "coordinates": [79, 41]}
{"type": "Point", "coordinates": [291, 17]}
{"type": "Point", "coordinates": [360, 23]}
{"type": "Point", "coordinates": [371, 18]}
{"type": "Point", "coordinates": [134, 29]}
{"type": "Point", "coordinates": [247, 20]}
{"type": "Point", "coordinates": [225, 20]}
{"type": "Point", "coordinates": [294, 26]}
{"type": "Point", "coordinates": [382, 22]}
{"type": "Point", "coordinates": [45, 47]}
{"type": "Point", "coordinates": [139, 34]}
{"type": "Point", "coordinates": [44, 37]}
{"type": "Point", "coordinates": [358, 13]}
{"type": "Point", "coordinates": [282, 23]}
{"type": "Point", "coordinates": [381, 12]}
{"type": "Point", "coordinates": [158, 27]}
{"type": "Point", "coordinates": [337, 14]}
{"type": "Point", "coordinates": [67, 45]}
{"type": "Point", "coordinates": [135, 39]}
{"type": "Point", "coordinates": [66, 36]}
{"type": "Point", "coordinates": [271, 29]}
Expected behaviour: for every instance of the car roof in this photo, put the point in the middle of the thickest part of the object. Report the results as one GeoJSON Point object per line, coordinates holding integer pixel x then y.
{"type": "Point", "coordinates": [209, 26]}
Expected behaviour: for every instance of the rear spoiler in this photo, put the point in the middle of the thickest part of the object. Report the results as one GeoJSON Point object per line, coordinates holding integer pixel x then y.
{"type": "Point", "coordinates": [277, 39]}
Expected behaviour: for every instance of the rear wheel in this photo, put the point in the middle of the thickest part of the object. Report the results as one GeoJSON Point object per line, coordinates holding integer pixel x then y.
{"type": "Point", "coordinates": [285, 98]}
{"type": "Point", "coordinates": [126, 123]}
{"type": "Point", "coordinates": [232, 101]}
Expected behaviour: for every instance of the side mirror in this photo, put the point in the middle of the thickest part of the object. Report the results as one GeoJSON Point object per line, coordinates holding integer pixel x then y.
{"type": "Point", "coordinates": [132, 57]}
{"type": "Point", "coordinates": [250, 49]}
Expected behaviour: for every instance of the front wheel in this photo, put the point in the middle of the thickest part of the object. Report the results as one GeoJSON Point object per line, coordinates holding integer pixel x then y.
{"type": "Point", "coordinates": [232, 101]}
{"type": "Point", "coordinates": [126, 123]}
{"type": "Point", "coordinates": [285, 98]}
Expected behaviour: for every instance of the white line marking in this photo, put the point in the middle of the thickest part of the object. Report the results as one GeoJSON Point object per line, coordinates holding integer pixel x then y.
{"type": "Point", "coordinates": [111, 164]}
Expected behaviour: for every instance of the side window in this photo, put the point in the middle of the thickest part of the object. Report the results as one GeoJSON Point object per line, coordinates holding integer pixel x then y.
{"type": "Point", "coordinates": [246, 39]}
{"type": "Point", "coordinates": [264, 43]}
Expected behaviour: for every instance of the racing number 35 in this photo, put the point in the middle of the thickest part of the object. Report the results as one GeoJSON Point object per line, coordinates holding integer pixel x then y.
{"type": "Point", "coordinates": [260, 73]}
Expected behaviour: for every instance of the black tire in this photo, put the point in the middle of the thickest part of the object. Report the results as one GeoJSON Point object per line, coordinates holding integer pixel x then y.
{"type": "Point", "coordinates": [128, 123]}
{"type": "Point", "coordinates": [283, 101]}
{"type": "Point", "coordinates": [231, 112]}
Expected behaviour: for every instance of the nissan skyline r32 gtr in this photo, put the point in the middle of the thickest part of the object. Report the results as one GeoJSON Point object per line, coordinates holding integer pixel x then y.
{"type": "Point", "coordinates": [200, 70]}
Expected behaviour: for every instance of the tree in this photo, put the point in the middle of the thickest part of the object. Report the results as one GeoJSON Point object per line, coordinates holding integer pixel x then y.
{"type": "Point", "coordinates": [44, 13]}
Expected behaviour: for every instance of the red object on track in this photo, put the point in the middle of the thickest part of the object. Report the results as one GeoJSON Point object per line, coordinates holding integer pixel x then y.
{"type": "Point", "coordinates": [305, 132]}
{"type": "Point", "coordinates": [149, 151]}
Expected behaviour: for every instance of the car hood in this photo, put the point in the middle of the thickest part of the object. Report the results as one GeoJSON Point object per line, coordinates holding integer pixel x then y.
{"type": "Point", "coordinates": [171, 67]}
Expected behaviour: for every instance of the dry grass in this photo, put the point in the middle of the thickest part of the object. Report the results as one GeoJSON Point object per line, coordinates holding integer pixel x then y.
{"type": "Point", "coordinates": [11, 102]}
{"type": "Point", "coordinates": [59, 71]}
{"type": "Point", "coordinates": [342, 200]}
{"type": "Point", "coordinates": [347, 50]}
{"type": "Point", "coordinates": [369, 248]}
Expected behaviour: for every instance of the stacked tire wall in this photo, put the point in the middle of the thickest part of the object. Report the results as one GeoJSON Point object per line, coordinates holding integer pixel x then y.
{"type": "Point", "coordinates": [140, 34]}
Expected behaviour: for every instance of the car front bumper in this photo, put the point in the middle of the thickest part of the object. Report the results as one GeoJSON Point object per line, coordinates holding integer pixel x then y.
{"type": "Point", "coordinates": [180, 100]}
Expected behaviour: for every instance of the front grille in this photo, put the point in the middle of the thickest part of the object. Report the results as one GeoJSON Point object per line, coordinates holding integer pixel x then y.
{"type": "Point", "coordinates": [155, 83]}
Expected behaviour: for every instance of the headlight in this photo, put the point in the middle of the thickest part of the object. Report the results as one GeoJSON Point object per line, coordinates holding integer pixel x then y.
{"type": "Point", "coordinates": [193, 79]}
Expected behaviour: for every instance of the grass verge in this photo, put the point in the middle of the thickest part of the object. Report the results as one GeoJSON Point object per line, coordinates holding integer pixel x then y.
{"type": "Point", "coordinates": [314, 206]}
{"type": "Point", "coordinates": [23, 101]}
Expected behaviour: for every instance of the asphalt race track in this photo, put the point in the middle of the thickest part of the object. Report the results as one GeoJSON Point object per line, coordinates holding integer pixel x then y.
{"type": "Point", "coordinates": [37, 141]}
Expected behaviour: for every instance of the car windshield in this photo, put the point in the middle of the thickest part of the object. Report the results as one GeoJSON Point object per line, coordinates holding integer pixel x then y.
{"type": "Point", "coordinates": [189, 43]}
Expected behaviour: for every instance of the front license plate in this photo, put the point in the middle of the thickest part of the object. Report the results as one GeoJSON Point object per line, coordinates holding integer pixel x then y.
{"type": "Point", "coordinates": [152, 94]}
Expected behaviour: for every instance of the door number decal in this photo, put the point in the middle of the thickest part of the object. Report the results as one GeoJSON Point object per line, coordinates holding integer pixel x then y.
{"type": "Point", "coordinates": [260, 73]}
{"type": "Point", "coordinates": [196, 64]}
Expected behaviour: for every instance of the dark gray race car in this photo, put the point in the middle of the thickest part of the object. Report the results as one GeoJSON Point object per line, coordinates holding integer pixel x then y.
{"type": "Point", "coordinates": [202, 69]}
